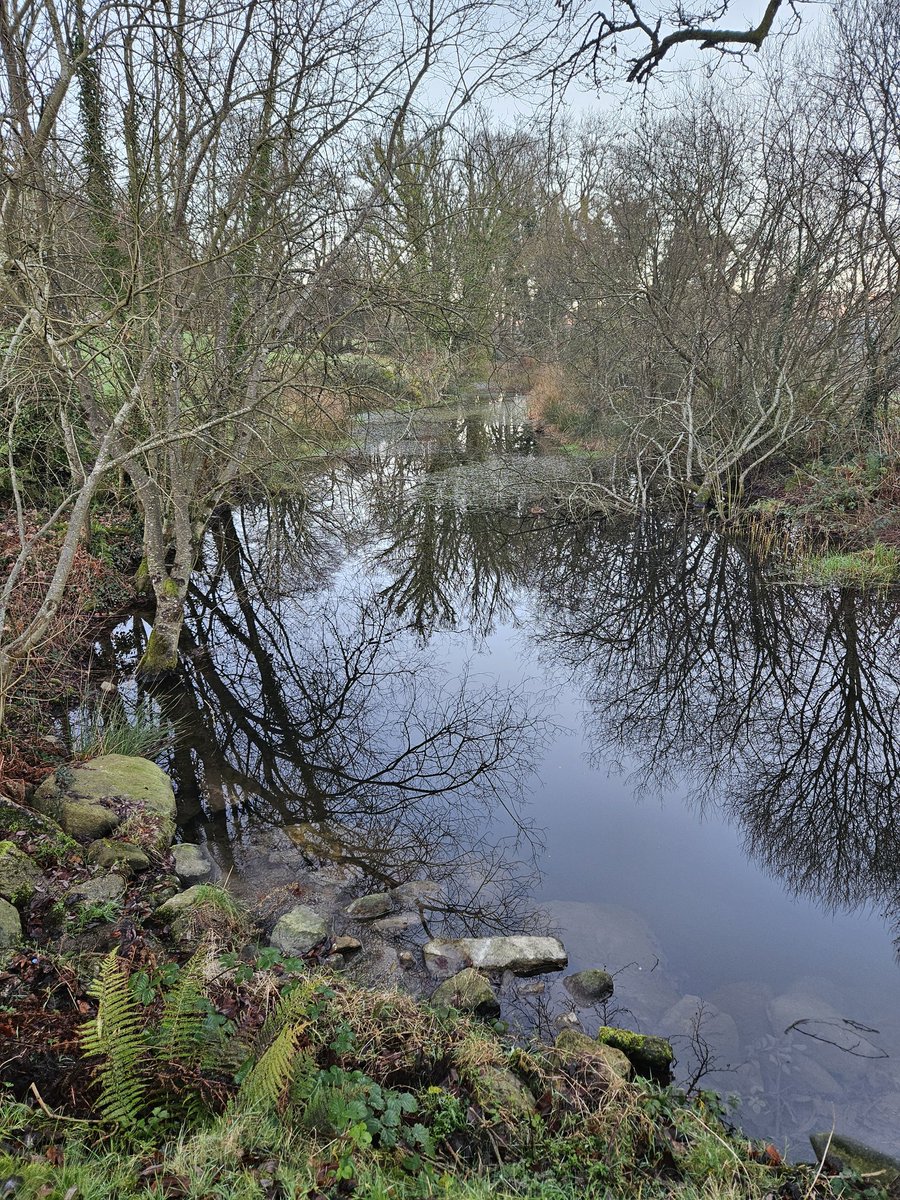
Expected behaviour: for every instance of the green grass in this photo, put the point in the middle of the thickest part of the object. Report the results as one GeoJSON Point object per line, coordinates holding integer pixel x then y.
{"type": "Point", "coordinates": [117, 728]}
{"type": "Point", "coordinates": [875, 567]}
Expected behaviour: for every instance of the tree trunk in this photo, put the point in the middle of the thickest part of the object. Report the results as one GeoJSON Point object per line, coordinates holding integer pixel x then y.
{"type": "Point", "coordinates": [161, 655]}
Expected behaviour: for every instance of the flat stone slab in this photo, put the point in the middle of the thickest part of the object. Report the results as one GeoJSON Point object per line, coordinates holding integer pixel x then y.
{"type": "Point", "coordinates": [522, 955]}
{"type": "Point", "coordinates": [298, 930]}
{"type": "Point", "coordinates": [102, 889]}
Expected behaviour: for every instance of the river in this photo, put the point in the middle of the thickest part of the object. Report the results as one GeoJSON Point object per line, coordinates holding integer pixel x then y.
{"type": "Point", "coordinates": [623, 731]}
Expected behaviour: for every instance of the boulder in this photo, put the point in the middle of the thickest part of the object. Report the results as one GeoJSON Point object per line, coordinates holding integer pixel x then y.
{"type": "Point", "coordinates": [589, 987]}
{"type": "Point", "coordinates": [367, 908]}
{"type": "Point", "coordinates": [181, 902]}
{"type": "Point", "coordinates": [106, 852]}
{"type": "Point", "coordinates": [193, 864]}
{"type": "Point", "coordinates": [19, 873]}
{"type": "Point", "coordinates": [202, 908]}
{"type": "Point", "coordinates": [87, 799]}
{"type": "Point", "coordinates": [573, 1042]}
{"type": "Point", "coordinates": [18, 818]}
{"type": "Point", "coordinates": [468, 991]}
{"type": "Point", "coordinates": [499, 1091]}
{"type": "Point", "coordinates": [521, 954]}
{"type": "Point", "coordinates": [298, 930]}
{"type": "Point", "coordinates": [650, 1056]}
{"type": "Point", "coordinates": [10, 926]}
{"type": "Point", "coordinates": [842, 1152]}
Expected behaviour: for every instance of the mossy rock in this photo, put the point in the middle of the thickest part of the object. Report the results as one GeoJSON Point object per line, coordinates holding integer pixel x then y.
{"type": "Point", "coordinates": [108, 852]}
{"type": "Point", "coordinates": [18, 818]}
{"type": "Point", "coordinates": [19, 873]}
{"type": "Point", "coordinates": [650, 1056]}
{"type": "Point", "coordinates": [468, 991]}
{"type": "Point", "coordinates": [201, 909]}
{"type": "Point", "coordinates": [577, 1044]}
{"type": "Point", "coordinates": [592, 986]}
{"type": "Point", "coordinates": [298, 930]}
{"type": "Point", "coordinates": [501, 1092]}
{"type": "Point", "coordinates": [10, 926]}
{"type": "Point", "coordinates": [86, 799]}
{"type": "Point", "coordinates": [843, 1152]}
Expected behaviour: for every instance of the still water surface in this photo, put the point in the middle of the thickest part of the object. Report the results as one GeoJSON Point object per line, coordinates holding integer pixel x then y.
{"type": "Point", "coordinates": [620, 731]}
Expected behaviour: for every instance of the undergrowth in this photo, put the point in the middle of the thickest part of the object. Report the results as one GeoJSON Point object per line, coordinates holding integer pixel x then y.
{"type": "Point", "coordinates": [225, 1076]}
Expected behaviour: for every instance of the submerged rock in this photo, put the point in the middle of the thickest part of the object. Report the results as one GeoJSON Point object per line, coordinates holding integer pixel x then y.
{"type": "Point", "coordinates": [192, 863]}
{"type": "Point", "coordinates": [107, 852]}
{"type": "Point", "coordinates": [521, 954]}
{"type": "Point", "coordinates": [10, 926]}
{"type": "Point", "coordinates": [19, 873]}
{"type": "Point", "coordinates": [417, 891]}
{"type": "Point", "coordinates": [468, 991]}
{"type": "Point", "coordinates": [589, 987]}
{"type": "Point", "coordinates": [840, 1152]}
{"type": "Point", "coordinates": [367, 908]}
{"type": "Point", "coordinates": [650, 1056]}
{"type": "Point", "coordinates": [298, 930]}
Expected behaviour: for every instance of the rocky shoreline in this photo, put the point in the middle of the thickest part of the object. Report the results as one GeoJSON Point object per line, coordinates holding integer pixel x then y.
{"type": "Point", "coordinates": [90, 862]}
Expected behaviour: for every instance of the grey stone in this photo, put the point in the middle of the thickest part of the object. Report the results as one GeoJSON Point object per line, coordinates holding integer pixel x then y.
{"type": "Point", "coordinates": [521, 954]}
{"type": "Point", "coordinates": [19, 873]}
{"type": "Point", "coordinates": [650, 1056]}
{"type": "Point", "coordinates": [347, 945]}
{"type": "Point", "coordinates": [193, 864]}
{"type": "Point", "coordinates": [468, 991]}
{"type": "Point", "coordinates": [100, 890]}
{"type": "Point", "coordinates": [298, 930]}
{"type": "Point", "coordinates": [367, 908]}
{"type": "Point", "coordinates": [10, 926]}
{"type": "Point", "coordinates": [589, 987]}
{"type": "Point", "coordinates": [406, 959]}
{"type": "Point", "coordinates": [106, 852]}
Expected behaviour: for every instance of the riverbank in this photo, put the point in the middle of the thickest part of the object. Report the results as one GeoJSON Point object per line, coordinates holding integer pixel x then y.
{"type": "Point", "coordinates": [161, 1037]}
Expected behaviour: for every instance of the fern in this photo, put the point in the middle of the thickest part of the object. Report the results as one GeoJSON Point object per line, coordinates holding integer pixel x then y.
{"type": "Point", "coordinates": [271, 1076]}
{"type": "Point", "coordinates": [181, 1033]}
{"type": "Point", "coordinates": [116, 1036]}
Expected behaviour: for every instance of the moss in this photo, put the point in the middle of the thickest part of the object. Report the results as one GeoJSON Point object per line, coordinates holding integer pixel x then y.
{"type": "Point", "coordinates": [142, 584]}
{"type": "Point", "coordinates": [159, 657]}
{"type": "Point", "coordinates": [650, 1056]}
{"type": "Point", "coordinates": [171, 588]}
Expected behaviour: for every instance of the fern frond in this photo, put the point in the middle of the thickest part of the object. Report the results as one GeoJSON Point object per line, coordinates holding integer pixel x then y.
{"type": "Point", "coordinates": [268, 1081]}
{"type": "Point", "coordinates": [181, 1034]}
{"type": "Point", "coordinates": [116, 1036]}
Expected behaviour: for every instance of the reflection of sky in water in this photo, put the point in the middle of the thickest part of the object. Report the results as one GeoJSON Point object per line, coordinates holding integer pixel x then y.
{"type": "Point", "coordinates": [697, 697]}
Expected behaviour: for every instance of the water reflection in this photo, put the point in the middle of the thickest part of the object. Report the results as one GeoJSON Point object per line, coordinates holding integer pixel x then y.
{"type": "Point", "coordinates": [781, 705]}
{"type": "Point", "coordinates": [298, 708]}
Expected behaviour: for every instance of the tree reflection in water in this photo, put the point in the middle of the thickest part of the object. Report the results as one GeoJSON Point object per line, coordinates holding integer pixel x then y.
{"type": "Point", "coordinates": [780, 704]}
{"type": "Point", "coordinates": [298, 708]}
